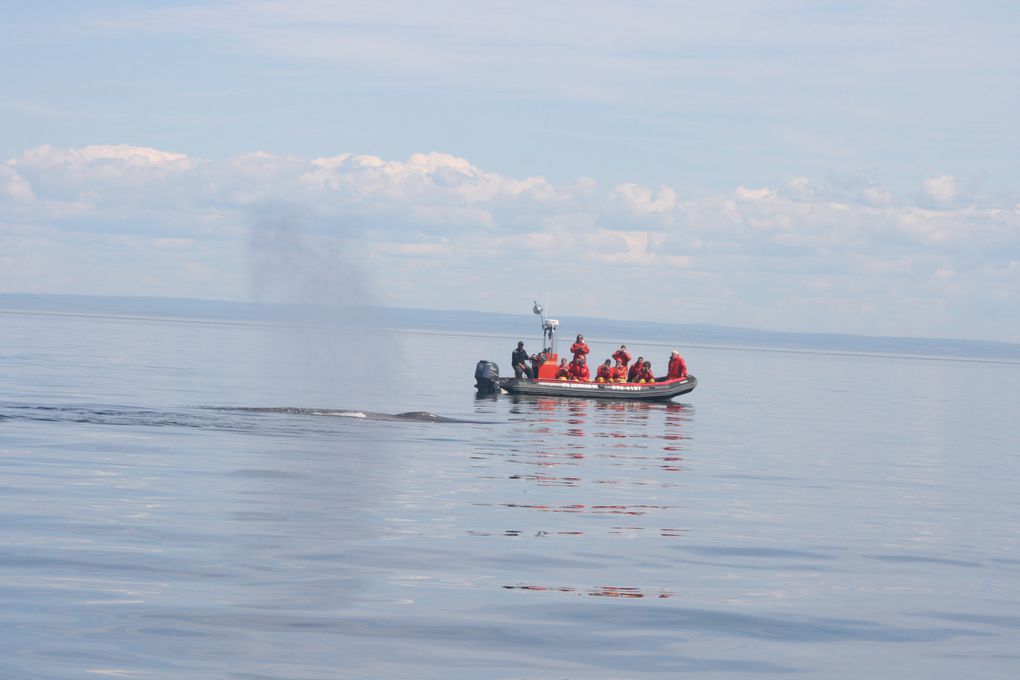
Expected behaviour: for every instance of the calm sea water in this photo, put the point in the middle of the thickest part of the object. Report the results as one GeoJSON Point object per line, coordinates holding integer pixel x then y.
{"type": "Point", "coordinates": [800, 514]}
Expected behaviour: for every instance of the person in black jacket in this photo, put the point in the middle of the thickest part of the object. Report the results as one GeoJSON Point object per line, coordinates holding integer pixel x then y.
{"type": "Point", "coordinates": [519, 360]}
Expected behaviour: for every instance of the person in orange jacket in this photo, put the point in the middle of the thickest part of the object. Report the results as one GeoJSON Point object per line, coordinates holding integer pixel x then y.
{"type": "Point", "coordinates": [580, 347]}
{"type": "Point", "coordinates": [579, 369]}
{"type": "Point", "coordinates": [622, 355]}
{"type": "Point", "coordinates": [677, 366]}
{"type": "Point", "coordinates": [605, 372]}
{"type": "Point", "coordinates": [619, 372]}
{"type": "Point", "coordinates": [563, 370]}
{"type": "Point", "coordinates": [646, 375]}
{"type": "Point", "coordinates": [632, 374]}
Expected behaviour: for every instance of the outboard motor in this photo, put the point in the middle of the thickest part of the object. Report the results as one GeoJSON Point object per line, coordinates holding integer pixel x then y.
{"type": "Point", "coordinates": [487, 376]}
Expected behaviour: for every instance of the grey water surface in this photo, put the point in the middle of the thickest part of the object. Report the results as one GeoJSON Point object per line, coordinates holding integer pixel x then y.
{"type": "Point", "coordinates": [185, 498]}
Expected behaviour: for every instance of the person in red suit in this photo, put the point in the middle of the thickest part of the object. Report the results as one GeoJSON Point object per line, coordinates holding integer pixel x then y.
{"type": "Point", "coordinates": [622, 355]}
{"type": "Point", "coordinates": [619, 372]}
{"type": "Point", "coordinates": [580, 347]}
{"type": "Point", "coordinates": [579, 369]}
{"type": "Point", "coordinates": [677, 366]}
{"type": "Point", "coordinates": [632, 374]}
{"type": "Point", "coordinates": [563, 370]}
{"type": "Point", "coordinates": [605, 372]}
{"type": "Point", "coordinates": [646, 375]}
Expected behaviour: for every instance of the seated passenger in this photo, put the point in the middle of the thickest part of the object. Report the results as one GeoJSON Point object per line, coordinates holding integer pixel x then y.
{"type": "Point", "coordinates": [622, 355]}
{"type": "Point", "coordinates": [580, 347]}
{"type": "Point", "coordinates": [646, 375]}
{"type": "Point", "coordinates": [632, 374]}
{"type": "Point", "coordinates": [619, 372]}
{"type": "Point", "coordinates": [677, 367]}
{"type": "Point", "coordinates": [536, 363]}
{"type": "Point", "coordinates": [563, 370]}
{"type": "Point", "coordinates": [605, 373]}
{"type": "Point", "coordinates": [579, 369]}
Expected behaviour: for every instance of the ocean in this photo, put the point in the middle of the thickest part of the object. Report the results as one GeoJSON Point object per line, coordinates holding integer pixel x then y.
{"type": "Point", "coordinates": [201, 498]}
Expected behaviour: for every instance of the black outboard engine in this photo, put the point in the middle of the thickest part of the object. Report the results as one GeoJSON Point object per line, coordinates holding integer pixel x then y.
{"type": "Point", "coordinates": [487, 377]}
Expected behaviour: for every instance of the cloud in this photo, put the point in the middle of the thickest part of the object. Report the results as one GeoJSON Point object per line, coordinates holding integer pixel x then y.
{"type": "Point", "coordinates": [643, 202]}
{"type": "Point", "coordinates": [601, 50]}
{"type": "Point", "coordinates": [318, 228]}
{"type": "Point", "coordinates": [877, 196]}
{"type": "Point", "coordinates": [14, 186]}
{"type": "Point", "coordinates": [940, 190]}
{"type": "Point", "coordinates": [432, 197]}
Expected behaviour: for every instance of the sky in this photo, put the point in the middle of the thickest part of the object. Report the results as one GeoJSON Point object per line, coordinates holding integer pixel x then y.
{"type": "Point", "coordinates": [841, 167]}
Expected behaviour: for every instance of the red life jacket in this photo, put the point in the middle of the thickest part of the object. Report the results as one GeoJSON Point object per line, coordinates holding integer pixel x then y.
{"type": "Point", "coordinates": [605, 372]}
{"type": "Point", "coordinates": [579, 349]}
{"type": "Point", "coordinates": [632, 374]}
{"type": "Point", "coordinates": [620, 372]}
{"type": "Point", "coordinates": [677, 368]}
{"type": "Point", "coordinates": [623, 356]}
{"type": "Point", "coordinates": [579, 371]}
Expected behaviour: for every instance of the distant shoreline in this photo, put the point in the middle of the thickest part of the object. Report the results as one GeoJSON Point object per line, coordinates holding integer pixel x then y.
{"type": "Point", "coordinates": [502, 325]}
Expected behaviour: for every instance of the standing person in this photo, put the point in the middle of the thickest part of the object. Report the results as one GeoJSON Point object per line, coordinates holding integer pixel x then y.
{"type": "Point", "coordinates": [579, 369]}
{"type": "Point", "coordinates": [632, 374]}
{"type": "Point", "coordinates": [580, 347]}
{"type": "Point", "coordinates": [519, 360]}
{"type": "Point", "coordinates": [605, 372]}
{"type": "Point", "coordinates": [622, 355]}
{"type": "Point", "coordinates": [677, 367]}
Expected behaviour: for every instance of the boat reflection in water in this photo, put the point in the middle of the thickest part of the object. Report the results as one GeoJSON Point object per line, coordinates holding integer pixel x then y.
{"type": "Point", "coordinates": [601, 591]}
{"type": "Point", "coordinates": [587, 474]}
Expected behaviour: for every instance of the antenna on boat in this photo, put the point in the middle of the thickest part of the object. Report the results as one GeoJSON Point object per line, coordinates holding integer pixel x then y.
{"type": "Point", "coordinates": [548, 330]}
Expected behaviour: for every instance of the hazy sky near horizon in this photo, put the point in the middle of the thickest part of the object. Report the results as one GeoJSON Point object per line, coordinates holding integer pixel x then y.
{"type": "Point", "coordinates": [804, 166]}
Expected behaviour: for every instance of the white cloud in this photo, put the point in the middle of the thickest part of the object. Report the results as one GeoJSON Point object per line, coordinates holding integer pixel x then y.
{"type": "Point", "coordinates": [643, 202]}
{"type": "Point", "coordinates": [14, 186]}
{"type": "Point", "coordinates": [133, 155]}
{"type": "Point", "coordinates": [940, 190]}
{"type": "Point", "coordinates": [877, 196]}
{"type": "Point", "coordinates": [197, 217]}
{"type": "Point", "coordinates": [118, 157]}
{"type": "Point", "coordinates": [742, 193]}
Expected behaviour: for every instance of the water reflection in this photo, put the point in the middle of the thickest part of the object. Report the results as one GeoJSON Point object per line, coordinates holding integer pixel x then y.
{"type": "Point", "coordinates": [601, 591]}
{"type": "Point", "coordinates": [206, 545]}
{"type": "Point", "coordinates": [584, 417]}
{"type": "Point", "coordinates": [633, 510]}
{"type": "Point", "coordinates": [546, 480]}
{"type": "Point", "coordinates": [600, 472]}
{"type": "Point", "coordinates": [648, 434]}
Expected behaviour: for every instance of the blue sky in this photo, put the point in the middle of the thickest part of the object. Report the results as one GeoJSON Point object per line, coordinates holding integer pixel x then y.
{"type": "Point", "coordinates": [829, 166]}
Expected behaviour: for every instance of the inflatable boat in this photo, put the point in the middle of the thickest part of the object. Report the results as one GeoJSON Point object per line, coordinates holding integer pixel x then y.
{"type": "Point", "coordinates": [487, 381]}
{"type": "Point", "coordinates": [545, 383]}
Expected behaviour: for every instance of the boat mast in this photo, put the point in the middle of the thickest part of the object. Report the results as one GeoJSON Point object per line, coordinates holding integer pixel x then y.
{"type": "Point", "coordinates": [548, 330]}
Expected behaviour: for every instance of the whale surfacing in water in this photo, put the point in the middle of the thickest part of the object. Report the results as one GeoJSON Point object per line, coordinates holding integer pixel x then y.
{"type": "Point", "coordinates": [425, 416]}
{"type": "Point", "coordinates": [413, 416]}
